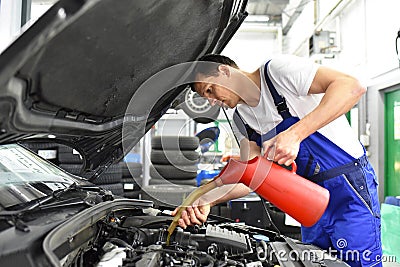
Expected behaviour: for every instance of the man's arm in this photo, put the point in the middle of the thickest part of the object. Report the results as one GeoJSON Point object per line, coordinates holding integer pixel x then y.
{"type": "Point", "coordinates": [248, 150]}
{"type": "Point", "coordinates": [342, 92]}
{"type": "Point", "coordinates": [198, 212]}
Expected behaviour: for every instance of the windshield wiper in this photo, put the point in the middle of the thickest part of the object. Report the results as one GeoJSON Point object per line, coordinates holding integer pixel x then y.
{"type": "Point", "coordinates": [15, 216]}
{"type": "Point", "coordinates": [40, 204]}
{"type": "Point", "coordinates": [34, 204]}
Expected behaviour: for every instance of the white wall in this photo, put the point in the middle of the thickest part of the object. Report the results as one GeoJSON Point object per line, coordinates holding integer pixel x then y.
{"type": "Point", "coordinates": [10, 19]}
{"type": "Point", "coordinates": [254, 44]}
{"type": "Point", "coordinates": [296, 40]}
{"type": "Point", "coordinates": [382, 25]}
{"type": "Point", "coordinates": [10, 22]}
{"type": "Point", "coordinates": [39, 8]}
{"type": "Point", "coordinates": [367, 30]}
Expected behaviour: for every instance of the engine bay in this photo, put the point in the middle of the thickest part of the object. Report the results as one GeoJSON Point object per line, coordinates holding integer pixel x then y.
{"type": "Point", "coordinates": [141, 241]}
{"type": "Point", "coordinates": [132, 233]}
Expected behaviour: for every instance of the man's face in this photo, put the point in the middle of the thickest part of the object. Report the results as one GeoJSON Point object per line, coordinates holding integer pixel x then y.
{"type": "Point", "coordinates": [217, 89]}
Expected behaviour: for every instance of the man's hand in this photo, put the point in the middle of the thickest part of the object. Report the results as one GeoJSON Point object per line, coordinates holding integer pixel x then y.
{"type": "Point", "coordinates": [195, 214]}
{"type": "Point", "coordinates": [283, 148]}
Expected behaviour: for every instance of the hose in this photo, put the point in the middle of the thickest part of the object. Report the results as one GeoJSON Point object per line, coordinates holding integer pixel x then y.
{"type": "Point", "coordinates": [269, 216]}
{"type": "Point", "coordinates": [120, 242]}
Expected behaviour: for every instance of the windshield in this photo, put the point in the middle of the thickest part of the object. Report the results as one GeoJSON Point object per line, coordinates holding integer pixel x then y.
{"type": "Point", "coordinates": [24, 176]}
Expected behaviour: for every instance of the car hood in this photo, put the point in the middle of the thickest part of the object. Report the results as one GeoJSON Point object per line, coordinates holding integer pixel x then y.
{"type": "Point", "coordinates": [74, 72]}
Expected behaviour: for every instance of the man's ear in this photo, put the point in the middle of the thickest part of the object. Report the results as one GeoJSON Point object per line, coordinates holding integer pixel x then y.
{"type": "Point", "coordinates": [224, 70]}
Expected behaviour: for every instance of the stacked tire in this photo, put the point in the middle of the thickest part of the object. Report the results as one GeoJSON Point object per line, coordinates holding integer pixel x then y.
{"type": "Point", "coordinates": [174, 160]}
{"type": "Point", "coordinates": [131, 179]}
{"type": "Point", "coordinates": [173, 171]}
{"type": "Point", "coordinates": [71, 161]}
{"type": "Point", "coordinates": [47, 151]}
{"type": "Point", "coordinates": [56, 153]}
{"type": "Point", "coordinates": [67, 155]}
{"type": "Point", "coordinates": [110, 179]}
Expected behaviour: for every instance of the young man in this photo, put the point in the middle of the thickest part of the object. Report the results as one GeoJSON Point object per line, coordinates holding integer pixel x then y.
{"type": "Point", "coordinates": [291, 109]}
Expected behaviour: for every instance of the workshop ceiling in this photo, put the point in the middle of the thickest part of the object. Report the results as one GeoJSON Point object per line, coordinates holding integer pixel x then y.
{"type": "Point", "coordinates": [44, 2]}
{"type": "Point", "coordinates": [269, 11]}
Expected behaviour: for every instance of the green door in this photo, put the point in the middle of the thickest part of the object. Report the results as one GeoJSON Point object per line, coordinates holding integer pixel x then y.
{"type": "Point", "coordinates": [392, 143]}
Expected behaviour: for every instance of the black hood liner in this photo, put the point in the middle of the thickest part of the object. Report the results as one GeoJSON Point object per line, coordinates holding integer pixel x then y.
{"type": "Point", "coordinates": [104, 56]}
{"type": "Point", "coordinates": [79, 65]}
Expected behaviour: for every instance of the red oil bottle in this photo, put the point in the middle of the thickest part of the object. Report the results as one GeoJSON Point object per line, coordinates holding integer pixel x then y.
{"type": "Point", "coordinates": [302, 199]}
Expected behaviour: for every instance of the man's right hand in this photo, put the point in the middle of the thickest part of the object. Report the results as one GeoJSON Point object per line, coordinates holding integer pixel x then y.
{"type": "Point", "coordinates": [197, 213]}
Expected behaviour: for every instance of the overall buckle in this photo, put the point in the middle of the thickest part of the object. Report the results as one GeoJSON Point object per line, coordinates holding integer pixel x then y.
{"type": "Point", "coordinates": [281, 106]}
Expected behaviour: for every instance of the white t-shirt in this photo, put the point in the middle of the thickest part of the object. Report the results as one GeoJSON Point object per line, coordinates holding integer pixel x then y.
{"type": "Point", "coordinates": [292, 77]}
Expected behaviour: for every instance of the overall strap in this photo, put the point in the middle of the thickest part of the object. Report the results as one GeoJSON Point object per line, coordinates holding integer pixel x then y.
{"type": "Point", "coordinates": [281, 106]}
{"type": "Point", "coordinates": [279, 101]}
{"type": "Point", "coordinates": [245, 129]}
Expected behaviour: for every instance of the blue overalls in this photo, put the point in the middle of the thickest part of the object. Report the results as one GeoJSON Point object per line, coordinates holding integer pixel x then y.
{"type": "Point", "coordinates": [351, 223]}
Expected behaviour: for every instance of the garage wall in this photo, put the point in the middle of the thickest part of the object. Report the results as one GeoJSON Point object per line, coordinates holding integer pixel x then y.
{"type": "Point", "coordinates": [296, 40]}
{"type": "Point", "coordinates": [366, 31]}
{"type": "Point", "coordinates": [10, 19]}
{"type": "Point", "coordinates": [365, 35]}
{"type": "Point", "coordinates": [10, 22]}
{"type": "Point", "coordinates": [253, 44]}
{"type": "Point", "coordinates": [383, 70]}
{"type": "Point", "coordinates": [382, 26]}
{"type": "Point", "coordinates": [39, 8]}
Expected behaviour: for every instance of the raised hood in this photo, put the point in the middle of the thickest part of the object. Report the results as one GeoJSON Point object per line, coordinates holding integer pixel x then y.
{"type": "Point", "coordinates": [73, 73]}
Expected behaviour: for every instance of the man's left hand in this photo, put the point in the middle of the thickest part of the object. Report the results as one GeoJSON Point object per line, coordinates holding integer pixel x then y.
{"type": "Point", "coordinates": [283, 148]}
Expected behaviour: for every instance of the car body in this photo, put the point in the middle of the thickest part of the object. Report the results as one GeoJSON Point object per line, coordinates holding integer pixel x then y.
{"type": "Point", "coordinates": [72, 75]}
{"type": "Point", "coordinates": [52, 218]}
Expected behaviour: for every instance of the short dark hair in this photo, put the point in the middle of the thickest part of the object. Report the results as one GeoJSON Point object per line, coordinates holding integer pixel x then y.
{"type": "Point", "coordinates": [211, 69]}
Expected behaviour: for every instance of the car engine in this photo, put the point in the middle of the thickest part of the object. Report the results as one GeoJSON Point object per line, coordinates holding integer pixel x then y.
{"type": "Point", "coordinates": [141, 241]}
{"type": "Point", "coordinates": [132, 233]}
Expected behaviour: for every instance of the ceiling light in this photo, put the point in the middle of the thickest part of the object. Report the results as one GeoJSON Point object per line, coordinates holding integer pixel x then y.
{"type": "Point", "coordinates": [257, 18]}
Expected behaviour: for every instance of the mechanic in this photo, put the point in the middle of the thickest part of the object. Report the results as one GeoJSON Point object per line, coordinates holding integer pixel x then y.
{"type": "Point", "coordinates": [291, 109]}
